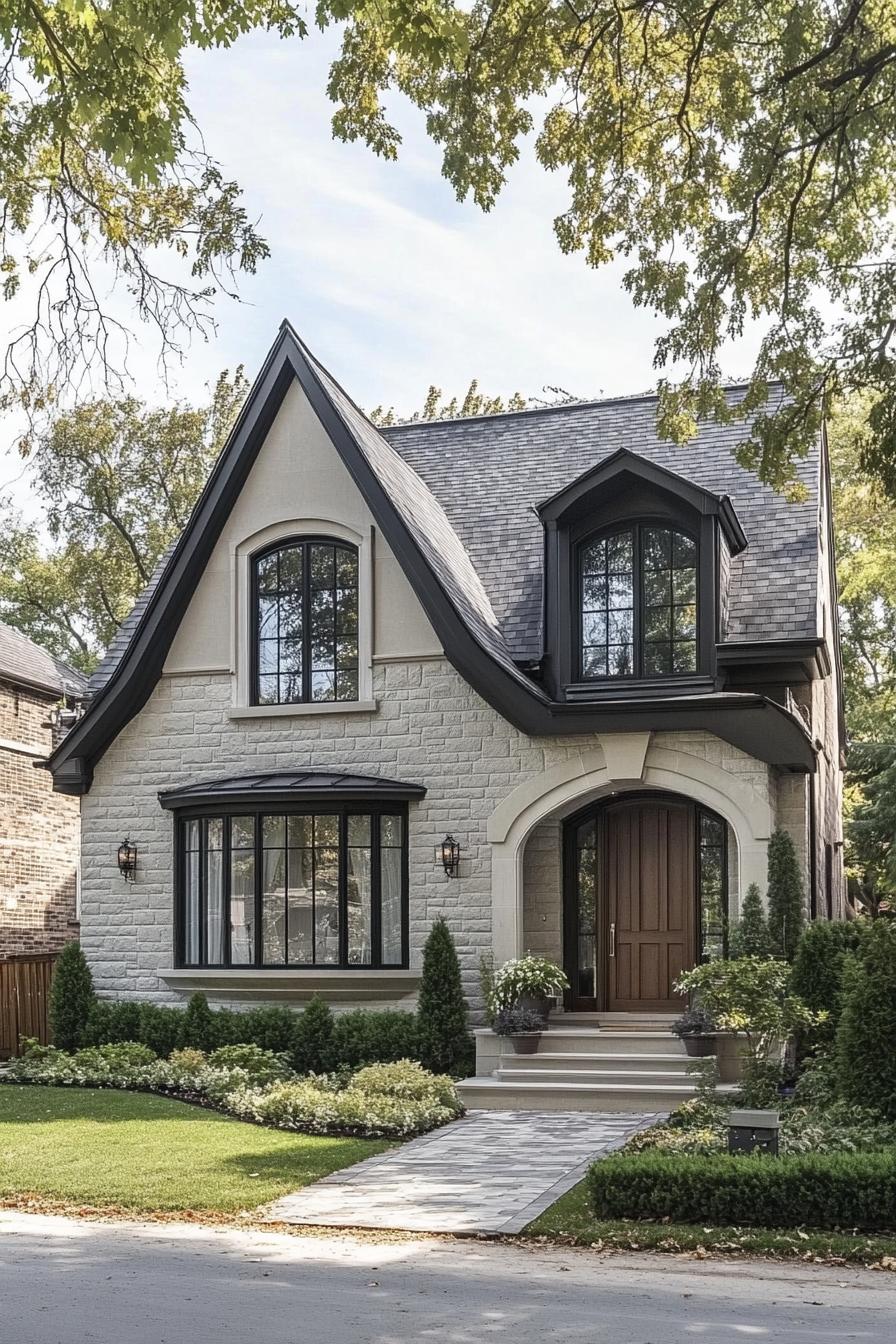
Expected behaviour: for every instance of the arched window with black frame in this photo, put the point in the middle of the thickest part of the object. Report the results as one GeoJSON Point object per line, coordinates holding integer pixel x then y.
{"type": "Point", "coordinates": [638, 603]}
{"type": "Point", "coordinates": [305, 622]}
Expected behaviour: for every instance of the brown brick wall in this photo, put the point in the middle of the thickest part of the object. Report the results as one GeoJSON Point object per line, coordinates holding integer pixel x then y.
{"type": "Point", "coordinates": [39, 833]}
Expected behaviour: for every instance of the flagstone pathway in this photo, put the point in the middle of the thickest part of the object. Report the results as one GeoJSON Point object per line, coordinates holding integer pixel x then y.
{"type": "Point", "coordinates": [489, 1174]}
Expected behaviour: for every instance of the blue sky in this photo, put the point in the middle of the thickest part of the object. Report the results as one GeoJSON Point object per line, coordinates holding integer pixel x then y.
{"type": "Point", "coordinates": [391, 281]}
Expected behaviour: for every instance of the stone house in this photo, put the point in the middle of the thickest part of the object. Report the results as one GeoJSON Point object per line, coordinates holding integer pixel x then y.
{"type": "Point", "coordinates": [39, 827]}
{"type": "Point", "coordinates": [605, 666]}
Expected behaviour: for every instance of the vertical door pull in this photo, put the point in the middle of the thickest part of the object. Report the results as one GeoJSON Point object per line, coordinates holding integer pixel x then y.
{"type": "Point", "coordinates": [612, 940]}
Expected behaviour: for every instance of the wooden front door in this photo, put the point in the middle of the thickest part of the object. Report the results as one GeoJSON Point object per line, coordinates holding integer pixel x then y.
{"type": "Point", "coordinates": [651, 899]}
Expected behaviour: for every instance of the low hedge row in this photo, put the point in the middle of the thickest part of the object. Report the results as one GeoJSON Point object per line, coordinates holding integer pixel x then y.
{"type": "Point", "coordinates": [823, 1190]}
{"type": "Point", "coordinates": [314, 1040]}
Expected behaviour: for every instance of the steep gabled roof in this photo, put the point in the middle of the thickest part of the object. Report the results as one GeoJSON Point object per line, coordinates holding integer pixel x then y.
{"type": "Point", "coordinates": [432, 542]}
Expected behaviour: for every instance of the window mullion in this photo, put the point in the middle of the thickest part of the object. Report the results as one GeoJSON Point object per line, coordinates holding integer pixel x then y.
{"type": "Point", "coordinates": [259, 882]}
{"type": "Point", "coordinates": [376, 891]}
{"type": "Point", "coordinates": [226, 885]}
{"type": "Point", "coordinates": [342, 886]}
{"type": "Point", "coordinates": [306, 622]}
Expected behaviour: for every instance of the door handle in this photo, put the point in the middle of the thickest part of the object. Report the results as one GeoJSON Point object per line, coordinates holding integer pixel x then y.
{"type": "Point", "coordinates": [612, 940]}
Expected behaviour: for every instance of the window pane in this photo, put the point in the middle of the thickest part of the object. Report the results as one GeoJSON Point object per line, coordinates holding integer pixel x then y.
{"type": "Point", "coordinates": [191, 908]}
{"type": "Point", "coordinates": [657, 660]}
{"type": "Point", "coordinates": [713, 902]}
{"type": "Point", "coordinates": [358, 905]}
{"type": "Point", "coordinates": [391, 831]}
{"type": "Point", "coordinates": [619, 553]}
{"type": "Point", "coordinates": [586, 913]}
{"type": "Point", "coordinates": [242, 891]}
{"type": "Point", "coordinates": [273, 891]}
{"type": "Point", "coordinates": [684, 657]}
{"type": "Point", "coordinates": [290, 569]}
{"type": "Point", "coordinates": [214, 891]}
{"type": "Point", "coordinates": [323, 685]}
{"type": "Point", "coordinates": [267, 572]}
{"type": "Point", "coordinates": [323, 567]}
{"type": "Point", "coordinates": [268, 610]}
{"type": "Point", "coordinates": [390, 904]}
{"type": "Point", "coordinates": [300, 909]}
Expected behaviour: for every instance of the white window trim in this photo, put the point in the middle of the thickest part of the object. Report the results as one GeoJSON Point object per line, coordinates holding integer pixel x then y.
{"type": "Point", "coordinates": [241, 622]}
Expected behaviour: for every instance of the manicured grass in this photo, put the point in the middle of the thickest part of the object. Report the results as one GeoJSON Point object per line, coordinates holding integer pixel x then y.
{"type": "Point", "coordinates": [148, 1154]}
{"type": "Point", "coordinates": [571, 1220]}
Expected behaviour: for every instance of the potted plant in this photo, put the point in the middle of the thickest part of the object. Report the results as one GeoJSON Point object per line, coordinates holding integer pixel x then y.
{"type": "Point", "coordinates": [697, 1029]}
{"type": "Point", "coordinates": [522, 1025]}
{"type": "Point", "coordinates": [529, 983]}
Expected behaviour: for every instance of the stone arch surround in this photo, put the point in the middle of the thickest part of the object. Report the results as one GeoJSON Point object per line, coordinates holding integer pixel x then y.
{"type": "Point", "coordinates": [621, 763]}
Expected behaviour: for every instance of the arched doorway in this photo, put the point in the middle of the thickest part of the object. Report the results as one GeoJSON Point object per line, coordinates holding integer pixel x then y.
{"type": "Point", "coordinates": [644, 895]}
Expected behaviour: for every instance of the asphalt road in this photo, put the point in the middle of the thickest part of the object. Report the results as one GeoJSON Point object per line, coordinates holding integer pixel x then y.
{"type": "Point", "coordinates": [69, 1282]}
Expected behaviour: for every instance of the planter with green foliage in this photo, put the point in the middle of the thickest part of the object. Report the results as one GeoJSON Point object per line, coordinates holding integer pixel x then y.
{"type": "Point", "coordinates": [697, 1031]}
{"type": "Point", "coordinates": [528, 983]}
{"type": "Point", "coordinates": [522, 1026]}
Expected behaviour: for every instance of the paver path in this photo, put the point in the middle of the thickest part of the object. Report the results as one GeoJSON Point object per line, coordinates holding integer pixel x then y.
{"type": "Point", "coordinates": [490, 1173]}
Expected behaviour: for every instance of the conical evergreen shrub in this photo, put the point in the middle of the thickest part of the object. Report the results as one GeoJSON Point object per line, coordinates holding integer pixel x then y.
{"type": "Point", "coordinates": [865, 1046]}
{"type": "Point", "coordinates": [750, 935]}
{"type": "Point", "coordinates": [445, 1043]}
{"type": "Point", "coordinates": [786, 897]}
{"type": "Point", "coordinates": [312, 1042]}
{"type": "Point", "coordinates": [198, 1027]}
{"type": "Point", "coordinates": [71, 998]}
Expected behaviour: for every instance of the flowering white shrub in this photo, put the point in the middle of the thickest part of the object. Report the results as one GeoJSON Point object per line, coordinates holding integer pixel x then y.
{"type": "Point", "coordinates": [380, 1101]}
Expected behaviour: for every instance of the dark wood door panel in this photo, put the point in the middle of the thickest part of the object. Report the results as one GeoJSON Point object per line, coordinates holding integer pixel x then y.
{"type": "Point", "coordinates": [651, 903]}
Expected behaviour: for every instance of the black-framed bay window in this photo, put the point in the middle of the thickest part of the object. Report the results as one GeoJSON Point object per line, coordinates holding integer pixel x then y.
{"type": "Point", "coordinates": [305, 622]}
{"type": "Point", "coordinates": [288, 887]}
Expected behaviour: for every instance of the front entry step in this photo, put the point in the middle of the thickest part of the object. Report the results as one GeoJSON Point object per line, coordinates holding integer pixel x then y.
{"type": "Point", "coordinates": [586, 1062]}
{"type": "Point", "coordinates": [492, 1094]}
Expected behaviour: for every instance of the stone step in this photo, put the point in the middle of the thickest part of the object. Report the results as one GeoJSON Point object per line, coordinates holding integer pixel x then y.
{"type": "Point", "coordinates": [587, 1040]}
{"type": "Point", "coordinates": [491, 1094]}
{"type": "Point", "coordinates": [606, 1077]}
{"type": "Point", "coordinates": [617, 1021]}
{"type": "Point", "coordinates": [564, 1061]}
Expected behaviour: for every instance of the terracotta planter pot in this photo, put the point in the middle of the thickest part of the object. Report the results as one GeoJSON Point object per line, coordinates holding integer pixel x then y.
{"type": "Point", "coordinates": [526, 1043]}
{"type": "Point", "coordinates": [700, 1047]}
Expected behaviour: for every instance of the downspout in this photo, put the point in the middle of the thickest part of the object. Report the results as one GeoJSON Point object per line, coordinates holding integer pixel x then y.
{"type": "Point", "coordinates": [813, 845]}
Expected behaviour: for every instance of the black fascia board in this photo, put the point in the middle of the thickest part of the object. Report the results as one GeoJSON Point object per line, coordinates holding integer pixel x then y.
{"type": "Point", "coordinates": [812, 655]}
{"type": "Point", "coordinates": [624, 462]}
{"type": "Point", "coordinates": [227, 793]}
{"type": "Point", "coordinates": [131, 683]}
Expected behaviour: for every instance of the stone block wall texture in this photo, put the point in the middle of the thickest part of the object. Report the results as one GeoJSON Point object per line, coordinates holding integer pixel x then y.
{"type": "Point", "coordinates": [430, 728]}
{"type": "Point", "coordinates": [39, 833]}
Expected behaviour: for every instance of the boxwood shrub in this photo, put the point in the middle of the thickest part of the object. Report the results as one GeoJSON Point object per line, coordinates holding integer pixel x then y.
{"type": "Point", "coordinates": [823, 1190]}
{"type": "Point", "coordinates": [314, 1040]}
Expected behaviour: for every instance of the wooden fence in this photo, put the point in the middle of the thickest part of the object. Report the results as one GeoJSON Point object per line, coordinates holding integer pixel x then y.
{"type": "Point", "coordinates": [24, 1000]}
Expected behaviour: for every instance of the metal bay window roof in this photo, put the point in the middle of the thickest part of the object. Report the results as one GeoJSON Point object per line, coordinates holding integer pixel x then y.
{"type": "Point", "coordinates": [291, 787]}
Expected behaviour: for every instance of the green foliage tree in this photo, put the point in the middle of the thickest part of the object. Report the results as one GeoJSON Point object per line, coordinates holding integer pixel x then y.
{"type": "Point", "coordinates": [865, 1048]}
{"type": "Point", "coordinates": [101, 165]}
{"type": "Point", "coordinates": [819, 968]}
{"type": "Point", "coordinates": [736, 156]}
{"type": "Point", "coordinates": [117, 482]}
{"type": "Point", "coordinates": [786, 896]}
{"type": "Point", "coordinates": [750, 936]}
{"type": "Point", "coordinates": [434, 408]}
{"type": "Point", "coordinates": [198, 1025]}
{"type": "Point", "coordinates": [71, 998]}
{"type": "Point", "coordinates": [442, 1009]}
{"type": "Point", "coordinates": [312, 1044]}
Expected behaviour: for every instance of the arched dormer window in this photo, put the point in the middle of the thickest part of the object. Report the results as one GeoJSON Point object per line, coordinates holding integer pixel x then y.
{"type": "Point", "coordinates": [305, 622]}
{"type": "Point", "coordinates": [638, 603]}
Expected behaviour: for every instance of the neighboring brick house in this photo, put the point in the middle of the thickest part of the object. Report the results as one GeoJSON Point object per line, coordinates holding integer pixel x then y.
{"type": "Point", "coordinates": [39, 828]}
{"type": "Point", "coordinates": [606, 666]}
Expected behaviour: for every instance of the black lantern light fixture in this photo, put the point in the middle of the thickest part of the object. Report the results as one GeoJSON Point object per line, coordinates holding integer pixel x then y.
{"type": "Point", "coordinates": [450, 855]}
{"type": "Point", "coordinates": [127, 860]}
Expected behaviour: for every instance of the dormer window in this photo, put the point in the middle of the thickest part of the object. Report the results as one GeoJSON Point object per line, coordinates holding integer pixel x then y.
{"type": "Point", "coordinates": [637, 603]}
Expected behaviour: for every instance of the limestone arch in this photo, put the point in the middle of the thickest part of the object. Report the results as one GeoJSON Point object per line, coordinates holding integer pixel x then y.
{"type": "Point", "coordinates": [587, 777]}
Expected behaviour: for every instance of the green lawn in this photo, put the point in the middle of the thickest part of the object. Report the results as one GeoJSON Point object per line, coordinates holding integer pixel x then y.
{"type": "Point", "coordinates": [147, 1154]}
{"type": "Point", "coordinates": [571, 1219]}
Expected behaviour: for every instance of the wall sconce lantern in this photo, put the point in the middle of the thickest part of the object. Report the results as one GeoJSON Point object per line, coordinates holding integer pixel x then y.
{"type": "Point", "coordinates": [127, 860]}
{"type": "Point", "coordinates": [449, 853]}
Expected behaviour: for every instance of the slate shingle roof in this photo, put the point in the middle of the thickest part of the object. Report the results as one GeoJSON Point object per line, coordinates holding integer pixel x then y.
{"type": "Point", "coordinates": [489, 474]}
{"type": "Point", "coordinates": [25, 663]}
{"type": "Point", "coordinates": [467, 490]}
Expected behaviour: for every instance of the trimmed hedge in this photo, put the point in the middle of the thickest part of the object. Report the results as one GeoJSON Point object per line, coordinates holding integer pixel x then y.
{"type": "Point", "coordinates": [824, 1190]}
{"type": "Point", "coordinates": [314, 1040]}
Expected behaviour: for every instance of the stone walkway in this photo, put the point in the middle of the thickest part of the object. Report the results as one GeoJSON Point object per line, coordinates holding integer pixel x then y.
{"type": "Point", "coordinates": [490, 1173]}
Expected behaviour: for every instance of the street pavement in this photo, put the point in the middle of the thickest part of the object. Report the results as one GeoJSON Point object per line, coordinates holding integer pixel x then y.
{"type": "Point", "coordinates": [64, 1281]}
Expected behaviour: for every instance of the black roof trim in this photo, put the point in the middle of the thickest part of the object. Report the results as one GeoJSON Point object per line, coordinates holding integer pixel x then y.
{"type": "Point", "coordinates": [292, 786]}
{"type": "Point", "coordinates": [812, 655]}
{"type": "Point", "coordinates": [487, 666]}
{"type": "Point", "coordinates": [624, 462]}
